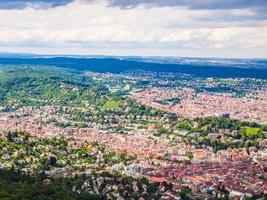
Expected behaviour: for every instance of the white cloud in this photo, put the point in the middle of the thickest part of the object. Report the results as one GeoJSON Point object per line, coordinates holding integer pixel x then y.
{"type": "Point", "coordinates": [96, 24]}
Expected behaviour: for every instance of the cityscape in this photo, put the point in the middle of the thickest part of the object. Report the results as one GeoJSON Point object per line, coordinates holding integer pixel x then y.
{"type": "Point", "coordinates": [190, 142]}
{"type": "Point", "coordinates": [133, 100]}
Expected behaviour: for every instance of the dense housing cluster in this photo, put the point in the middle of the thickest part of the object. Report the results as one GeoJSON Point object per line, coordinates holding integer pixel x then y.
{"type": "Point", "coordinates": [137, 134]}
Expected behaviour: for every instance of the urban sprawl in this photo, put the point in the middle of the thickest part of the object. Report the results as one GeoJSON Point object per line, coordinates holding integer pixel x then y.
{"type": "Point", "coordinates": [177, 131]}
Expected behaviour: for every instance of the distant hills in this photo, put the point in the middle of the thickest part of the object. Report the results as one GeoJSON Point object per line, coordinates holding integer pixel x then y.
{"type": "Point", "coordinates": [205, 67]}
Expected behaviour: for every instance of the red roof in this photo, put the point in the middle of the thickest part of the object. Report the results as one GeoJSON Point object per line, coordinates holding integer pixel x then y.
{"type": "Point", "coordinates": [157, 179]}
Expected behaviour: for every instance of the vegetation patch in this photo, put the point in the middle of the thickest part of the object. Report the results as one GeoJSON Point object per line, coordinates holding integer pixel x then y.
{"type": "Point", "coordinates": [251, 132]}
{"type": "Point", "coordinates": [111, 105]}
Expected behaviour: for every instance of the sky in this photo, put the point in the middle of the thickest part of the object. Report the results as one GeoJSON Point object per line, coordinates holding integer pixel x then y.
{"type": "Point", "coordinates": [193, 28]}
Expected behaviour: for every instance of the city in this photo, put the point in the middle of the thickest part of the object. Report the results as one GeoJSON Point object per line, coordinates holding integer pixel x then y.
{"type": "Point", "coordinates": [133, 100]}
{"type": "Point", "coordinates": [220, 134]}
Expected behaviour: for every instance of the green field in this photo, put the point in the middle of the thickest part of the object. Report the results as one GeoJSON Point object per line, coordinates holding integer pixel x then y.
{"type": "Point", "coordinates": [111, 105]}
{"type": "Point", "coordinates": [251, 132]}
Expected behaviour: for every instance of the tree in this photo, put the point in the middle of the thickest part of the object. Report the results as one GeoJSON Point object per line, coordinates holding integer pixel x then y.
{"type": "Point", "coordinates": [53, 160]}
{"type": "Point", "coordinates": [184, 192]}
{"type": "Point", "coordinates": [42, 176]}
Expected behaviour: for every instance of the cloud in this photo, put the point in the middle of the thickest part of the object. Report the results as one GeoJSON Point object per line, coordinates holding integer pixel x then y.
{"type": "Point", "coordinates": [258, 6]}
{"type": "Point", "coordinates": [37, 4]}
{"type": "Point", "coordinates": [98, 25]}
{"type": "Point", "coordinates": [191, 4]}
{"type": "Point", "coordinates": [194, 4]}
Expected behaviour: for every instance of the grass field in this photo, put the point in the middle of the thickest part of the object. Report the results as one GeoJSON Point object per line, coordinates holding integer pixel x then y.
{"type": "Point", "coordinates": [251, 131]}
{"type": "Point", "coordinates": [111, 105]}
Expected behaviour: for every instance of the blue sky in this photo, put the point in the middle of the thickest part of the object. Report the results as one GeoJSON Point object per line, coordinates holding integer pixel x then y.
{"type": "Point", "coordinates": [204, 28]}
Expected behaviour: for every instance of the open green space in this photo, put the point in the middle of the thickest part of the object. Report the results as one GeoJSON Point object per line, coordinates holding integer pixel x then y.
{"type": "Point", "coordinates": [111, 105]}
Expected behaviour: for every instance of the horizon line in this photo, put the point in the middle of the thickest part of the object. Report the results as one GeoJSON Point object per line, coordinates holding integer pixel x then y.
{"type": "Point", "coordinates": [124, 56]}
